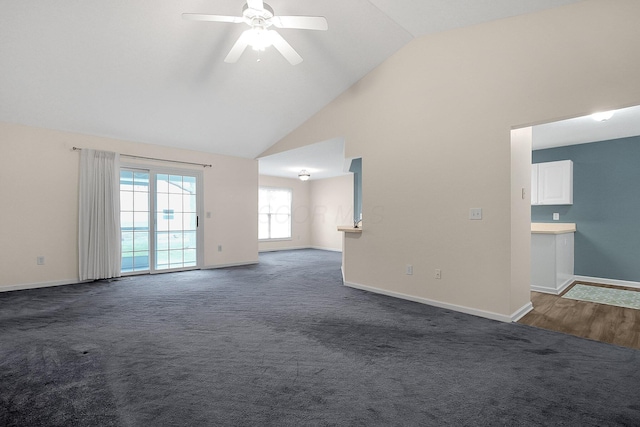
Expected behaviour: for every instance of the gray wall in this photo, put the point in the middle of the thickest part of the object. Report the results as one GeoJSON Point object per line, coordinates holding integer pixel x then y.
{"type": "Point", "coordinates": [606, 206]}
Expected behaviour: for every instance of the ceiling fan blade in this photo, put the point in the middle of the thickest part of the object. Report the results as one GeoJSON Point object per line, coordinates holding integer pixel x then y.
{"type": "Point", "coordinates": [255, 4]}
{"type": "Point", "coordinates": [214, 18]}
{"type": "Point", "coordinates": [285, 48]}
{"type": "Point", "coordinates": [238, 48]}
{"type": "Point", "coordinates": [301, 22]}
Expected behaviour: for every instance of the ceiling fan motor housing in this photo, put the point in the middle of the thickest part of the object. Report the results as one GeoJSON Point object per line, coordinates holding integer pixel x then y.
{"type": "Point", "coordinates": [265, 14]}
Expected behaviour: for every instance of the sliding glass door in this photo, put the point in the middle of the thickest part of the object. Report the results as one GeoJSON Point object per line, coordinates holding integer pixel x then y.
{"type": "Point", "coordinates": [159, 218]}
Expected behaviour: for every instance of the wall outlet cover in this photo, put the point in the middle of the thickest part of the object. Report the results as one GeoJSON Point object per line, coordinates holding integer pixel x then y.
{"type": "Point", "coordinates": [475, 213]}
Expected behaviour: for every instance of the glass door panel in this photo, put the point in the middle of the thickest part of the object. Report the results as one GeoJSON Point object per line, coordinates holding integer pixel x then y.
{"type": "Point", "coordinates": [134, 220]}
{"type": "Point", "coordinates": [177, 221]}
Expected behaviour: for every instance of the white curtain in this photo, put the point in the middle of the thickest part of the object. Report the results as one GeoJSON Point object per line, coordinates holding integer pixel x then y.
{"type": "Point", "coordinates": [99, 215]}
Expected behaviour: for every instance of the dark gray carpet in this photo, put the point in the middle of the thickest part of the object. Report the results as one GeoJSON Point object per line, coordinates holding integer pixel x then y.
{"type": "Point", "coordinates": [283, 343]}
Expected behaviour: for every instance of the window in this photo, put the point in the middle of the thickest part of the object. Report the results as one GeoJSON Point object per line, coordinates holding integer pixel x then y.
{"type": "Point", "coordinates": [274, 213]}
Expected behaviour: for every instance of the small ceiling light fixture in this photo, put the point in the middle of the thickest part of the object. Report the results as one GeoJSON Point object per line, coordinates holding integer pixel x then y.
{"type": "Point", "coordinates": [602, 116]}
{"type": "Point", "coordinates": [304, 175]}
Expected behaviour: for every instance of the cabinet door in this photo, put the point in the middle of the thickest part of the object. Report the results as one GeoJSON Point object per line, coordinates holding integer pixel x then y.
{"type": "Point", "coordinates": [555, 183]}
{"type": "Point", "coordinates": [534, 184]}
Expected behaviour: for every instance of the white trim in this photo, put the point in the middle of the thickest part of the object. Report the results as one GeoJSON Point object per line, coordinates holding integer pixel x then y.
{"type": "Point", "coordinates": [295, 248]}
{"type": "Point", "coordinates": [25, 286]}
{"type": "Point", "coordinates": [602, 281]}
{"type": "Point", "coordinates": [553, 291]}
{"type": "Point", "coordinates": [320, 248]}
{"type": "Point", "coordinates": [290, 248]}
{"type": "Point", "coordinates": [454, 307]}
{"type": "Point", "coordinates": [519, 314]}
{"type": "Point", "coordinates": [235, 264]}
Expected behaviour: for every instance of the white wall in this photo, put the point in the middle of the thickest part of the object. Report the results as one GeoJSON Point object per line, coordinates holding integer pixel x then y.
{"type": "Point", "coordinates": [432, 124]}
{"type": "Point", "coordinates": [39, 193]}
{"type": "Point", "coordinates": [331, 206]}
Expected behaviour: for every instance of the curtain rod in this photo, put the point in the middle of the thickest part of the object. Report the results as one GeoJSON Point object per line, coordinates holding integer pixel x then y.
{"type": "Point", "coordinates": [155, 158]}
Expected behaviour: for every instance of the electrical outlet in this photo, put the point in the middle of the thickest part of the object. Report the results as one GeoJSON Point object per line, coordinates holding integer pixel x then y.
{"type": "Point", "coordinates": [409, 270]}
{"type": "Point", "coordinates": [475, 213]}
{"type": "Point", "coordinates": [219, 248]}
{"type": "Point", "coordinates": [40, 260]}
{"type": "Point", "coordinates": [438, 274]}
{"type": "Point", "coordinates": [556, 216]}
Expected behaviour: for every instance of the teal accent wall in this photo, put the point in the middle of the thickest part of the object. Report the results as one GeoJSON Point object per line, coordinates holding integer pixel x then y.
{"type": "Point", "coordinates": [356, 168]}
{"type": "Point", "coordinates": [606, 206]}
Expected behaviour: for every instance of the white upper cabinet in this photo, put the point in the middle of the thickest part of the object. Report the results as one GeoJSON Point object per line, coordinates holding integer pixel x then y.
{"type": "Point", "coordinates": [552, 183]}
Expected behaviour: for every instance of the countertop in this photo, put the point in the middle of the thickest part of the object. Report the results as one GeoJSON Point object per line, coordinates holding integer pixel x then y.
{"type": "Point", "coordinates": [552, 228]}
{"type": "Point", "coordinates": [349, 229]}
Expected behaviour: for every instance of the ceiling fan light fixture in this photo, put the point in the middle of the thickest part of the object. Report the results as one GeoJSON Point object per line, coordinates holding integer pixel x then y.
{"type": "Point", "coordinates": [304, 175]}
{"type": "Point", "coordinates": [259, 38]}
{"type": "Point", "coordinates": [259, 16]}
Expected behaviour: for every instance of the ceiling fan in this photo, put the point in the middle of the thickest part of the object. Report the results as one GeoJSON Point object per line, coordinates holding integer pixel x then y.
{"type": "Point", "coordinates": [259, 16]}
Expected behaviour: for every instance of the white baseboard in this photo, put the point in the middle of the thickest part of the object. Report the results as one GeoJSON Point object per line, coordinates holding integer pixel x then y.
{"type": "Point", "coordinates": [234, 264]}
{"type": "Point", "coordinates": [288, 248]}
{"type": "Point", "coordinates": [295, 248]}
{"type": "Point", "coordinates": [603, 281]}
{"type": "Point", "coordinates": [24, 286]}
{"type": "Point", "coordinates": [320, 248]}
{"type": "Point", "coordinates": [519, 314]}
{"type": "Point", "coordinates": [556, 291]}
{"type": "Point", "coordinates": [462, 309]}
{"type": "Point", "coordinates": [587, 279]}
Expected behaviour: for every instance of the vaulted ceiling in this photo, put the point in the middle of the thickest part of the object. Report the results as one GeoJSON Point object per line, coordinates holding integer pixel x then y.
{"type": "Point", "coordinates": [135, 70]}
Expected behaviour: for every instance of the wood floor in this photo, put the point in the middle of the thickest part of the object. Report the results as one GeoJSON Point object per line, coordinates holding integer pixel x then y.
{"type": "Point", "coordinates": [600, 322]}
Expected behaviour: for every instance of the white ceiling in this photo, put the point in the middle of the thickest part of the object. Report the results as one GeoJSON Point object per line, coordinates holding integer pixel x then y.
{"type": "Point", "coordinates": [135, 70]}
{"type": "Point", "coordinates": [322, 160]}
